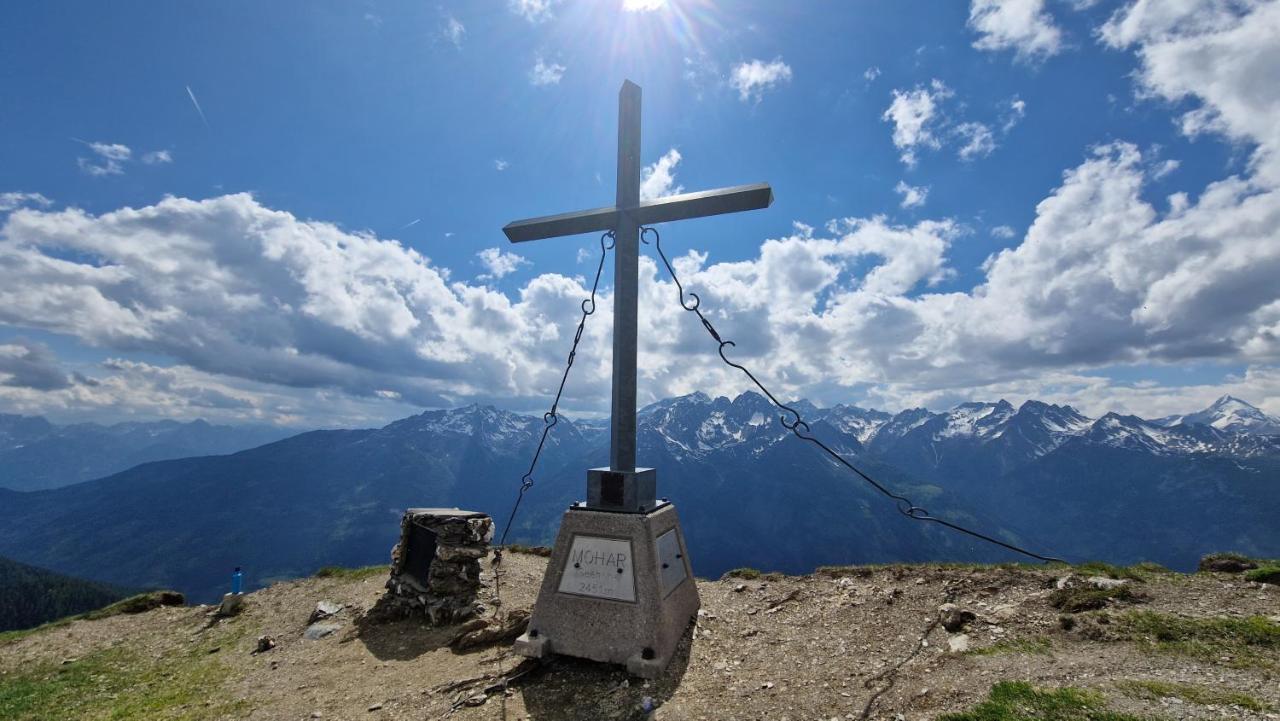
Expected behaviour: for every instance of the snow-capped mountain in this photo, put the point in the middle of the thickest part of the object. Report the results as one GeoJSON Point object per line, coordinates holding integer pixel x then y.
{"type": "Point", "coordinates": [1232, 415]}
{"type": "Point", "coordinates": [1117, 488]}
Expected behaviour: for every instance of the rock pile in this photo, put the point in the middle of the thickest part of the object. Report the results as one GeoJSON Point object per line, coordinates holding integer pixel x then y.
{"type": "Point", "coordinates": [435, 568]}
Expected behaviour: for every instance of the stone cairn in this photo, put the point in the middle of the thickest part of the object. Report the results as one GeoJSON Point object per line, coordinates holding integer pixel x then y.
{"type": "Point", "coordinates": [448, 593]}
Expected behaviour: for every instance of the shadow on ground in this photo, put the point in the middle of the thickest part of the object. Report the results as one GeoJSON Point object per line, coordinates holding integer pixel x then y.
{"type": "Point", "coordinates": [402, 640]}
{"type": "Point", "coordinates": [571, 689]}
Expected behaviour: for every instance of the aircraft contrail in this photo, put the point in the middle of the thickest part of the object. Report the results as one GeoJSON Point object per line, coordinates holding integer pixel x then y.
{"type": "Point", "coordinates": [412, 223]}
{"type": "Point", "coordinates": [197, 104]}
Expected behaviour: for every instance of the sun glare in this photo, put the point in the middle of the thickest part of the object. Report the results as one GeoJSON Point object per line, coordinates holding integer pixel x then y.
{"type": "Point", "coordinates": [642, 5]}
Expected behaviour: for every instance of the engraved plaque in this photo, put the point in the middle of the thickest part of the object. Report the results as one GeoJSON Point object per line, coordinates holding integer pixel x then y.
{"type": "Point", "coordinates": [671, 566]}
{"type": "Point", "coordinates": [599, 567]}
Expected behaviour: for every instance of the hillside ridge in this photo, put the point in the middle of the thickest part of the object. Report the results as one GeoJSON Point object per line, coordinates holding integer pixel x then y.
{"type": "Point", "coordinates": [831, 644]}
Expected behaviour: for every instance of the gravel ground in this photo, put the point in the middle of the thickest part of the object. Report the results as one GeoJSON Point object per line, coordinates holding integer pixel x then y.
{"type": "Point", "coordinates": [823, 646]}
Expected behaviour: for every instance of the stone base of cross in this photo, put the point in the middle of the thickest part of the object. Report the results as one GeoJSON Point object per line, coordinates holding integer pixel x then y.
{"type": "Point", "coordinates": [619, 587]}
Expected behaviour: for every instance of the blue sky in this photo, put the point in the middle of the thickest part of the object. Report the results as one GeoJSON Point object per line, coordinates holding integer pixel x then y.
{"type": "Point", "coordinates": [291, 212]}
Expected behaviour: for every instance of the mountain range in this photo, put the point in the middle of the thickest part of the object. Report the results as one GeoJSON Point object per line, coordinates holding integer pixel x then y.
{"type": "Point", "coordinates": [1116, 488]}
{"type": "Point", "coordinates": [36, 454]}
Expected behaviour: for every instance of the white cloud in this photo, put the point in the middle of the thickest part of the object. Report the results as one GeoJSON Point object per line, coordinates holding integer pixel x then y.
{"type": "Point", "coordinates": [13, 200]}
{"type": "Point", "coordinates": [1003, 232]}
{"type": "Point", "coordinates": [233, 289]}
{"type": "Point", "coordinates": [1217, 54]}
{"type": "Point", "coordinates": [248, 302]}
{"type": "Point", "coordinates": [914, 114]}
{"type": "Point", "coordinates": [1164, 167]}
{"type": "Point", "coordinates": [535, 11]}
{"type": "Point", "coordinates": [109, 160]}
{"type": "Point", "coordinates": [1017, 110]}
{"type": "Point", "coordinates": [912, 196]}
{"type": "Point", "coordinates": [499, 263]}
{"type": "Point", "coordinates": [751, 79]}
{"type": "Point", "coordinates": [979, 142]}
{"type": "Point", "coordinates": [1019, 25]}
{"type": "Point", "coordinates": [643, 5]}
{"type": "Point", "coordinates": [871, 73]}
{"type": "Point", "coordinates": [544, 73]}
{"type": "Point", "coordinates": [500, 165]}
{"type": "Point", "coordinates": [453, 30]}
{"type": "Point", "coordinates": [659, 179]}
{"type": "Point", "coordinates": [157, 157]}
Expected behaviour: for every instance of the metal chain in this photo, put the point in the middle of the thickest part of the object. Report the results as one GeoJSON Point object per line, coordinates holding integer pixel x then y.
{"type": "Point", "coordinates": [551, 417]}
{"type": "Point", "coordinates": [797, 425]}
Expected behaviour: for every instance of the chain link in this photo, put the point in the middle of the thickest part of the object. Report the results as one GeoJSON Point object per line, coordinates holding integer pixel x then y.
{"type": "Point", "coordinates": [551, 417]}
{"type": "Point", "coordinates": [793, 422]}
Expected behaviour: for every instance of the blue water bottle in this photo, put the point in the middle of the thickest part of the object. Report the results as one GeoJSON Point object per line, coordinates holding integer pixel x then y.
{"type": "Point", "coordinates": [237, 580]}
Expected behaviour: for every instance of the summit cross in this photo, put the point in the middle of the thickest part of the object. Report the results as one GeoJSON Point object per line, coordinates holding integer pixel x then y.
{"type": "Point", "coordinates": [625, 218]}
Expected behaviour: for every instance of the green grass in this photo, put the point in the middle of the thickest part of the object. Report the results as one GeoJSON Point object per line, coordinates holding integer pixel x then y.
{"type": "Point", "coordinates": [121, 685]}
{"type": "Point", "coordinates": [1036, 645]}
{"type": "Point", "coordinates": [749, 574]}
{"type": "Point", "coordinates": [1138, 572]}
{"type": "Point", "coordinates": [1236, 642]}
{"type": "Point", "coordinates": [1086, 598]}
{"type": "Point", "coordinates": [352, 574]}
{"type": "Point", "coordinates": [1207, 561]}
{"type": "Point", "coordinates": [1266, 574]}
{"type": "Point", "coordinates": [1202, 695]}
{"type": "Point", "coordinates": [1020, 701]}
{"type": "Point", "coordinates": [133, 604]}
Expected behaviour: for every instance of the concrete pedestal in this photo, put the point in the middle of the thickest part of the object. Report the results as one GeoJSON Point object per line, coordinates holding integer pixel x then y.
{"type": "Point", "coordinates": [618, 589]}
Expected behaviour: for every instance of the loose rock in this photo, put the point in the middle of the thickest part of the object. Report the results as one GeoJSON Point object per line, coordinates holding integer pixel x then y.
{"type": "Point", "coordinates": [954, 617]}
{"type": "Point", "coordinates": [323, 610]}
{"type": "Point", "coordinates": [317, 631]}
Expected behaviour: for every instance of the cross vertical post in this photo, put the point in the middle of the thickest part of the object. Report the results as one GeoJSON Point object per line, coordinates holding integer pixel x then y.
{"type": "Point", "coordinates": [622, 486]}
{"type": "Point", "coordinates": [626, 271]}
{"type": "Point", "coordinates": [619, 586]}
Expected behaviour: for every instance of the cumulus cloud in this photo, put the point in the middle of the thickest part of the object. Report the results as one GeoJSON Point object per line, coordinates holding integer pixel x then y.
{"type": "Point", "coordinates": [544, 73]}
{"type": "Point", "coordinates": [238, 295]}
{"type": "Point", "coordinates": [921, 122]}
{"type": "Point", "coordinates": [915, 115]}
{"type": "Point", "coordinates": [499, 263]}
{"type": "Point", "coordinates": [1214, 54]}
{"type": "Point", "coordinates": [658, 179]}
{"type": "Point", "coordinates": [500, 165]}
{"type": "Point", "coordinates": [27, 364]}
{"type": "Point", "coordinates": [1019, 25]}
{"type": "Point", "coordinates": [1003, 232]}
{"type": "Point", "coordinates": [229, 287]}
{"type": "Point", "coordinates": [871, 73]}
{"type": "Point", "coordinates": [751, 79]}
{"type": "Point", "coordinates": [912, 196]}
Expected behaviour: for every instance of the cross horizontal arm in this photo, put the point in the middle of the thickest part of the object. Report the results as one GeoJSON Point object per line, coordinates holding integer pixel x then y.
{"type": "Point", "coordinates": [649, 212]}
{"type": "Point", "coordinates": [704, 203]}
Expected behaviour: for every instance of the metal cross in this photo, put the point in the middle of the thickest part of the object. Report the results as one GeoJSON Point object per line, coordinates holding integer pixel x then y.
{"type": "Point", "coordinates": [625, 219]}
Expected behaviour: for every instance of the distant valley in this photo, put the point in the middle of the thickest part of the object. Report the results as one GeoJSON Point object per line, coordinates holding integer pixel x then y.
{"type": "Point", "coordinates": [1117, 488]}
{"type": "Point", "coordinates": [36, 454]}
